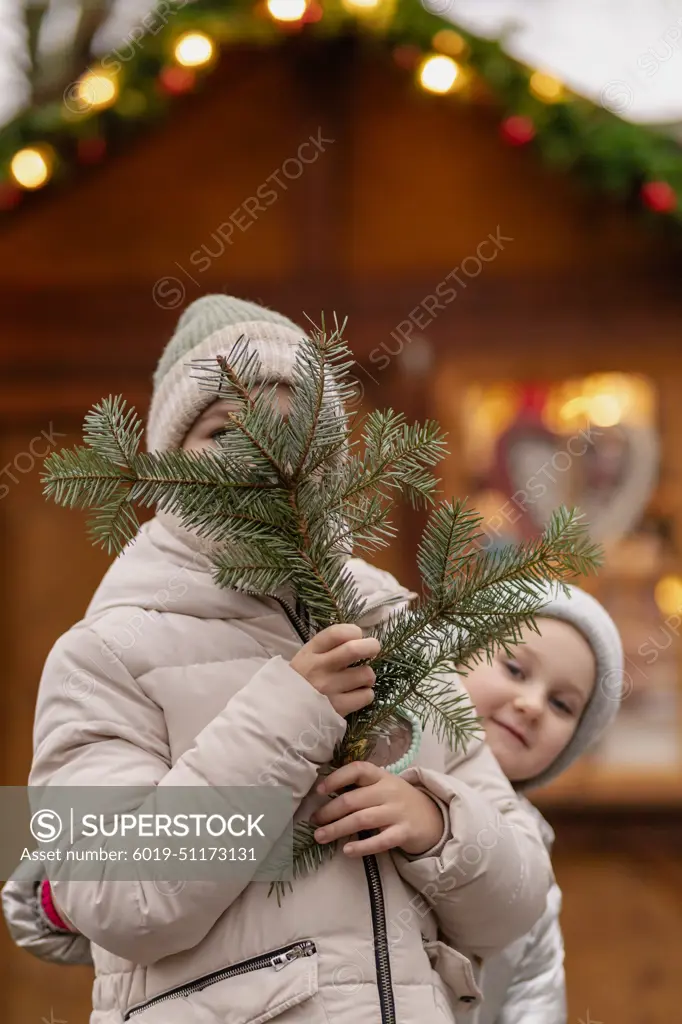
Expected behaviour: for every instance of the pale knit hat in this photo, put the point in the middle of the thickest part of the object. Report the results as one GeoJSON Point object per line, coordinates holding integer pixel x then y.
{"type": "Point", "coordinates": [591, 619]}
{"type": "Point", "coordinates": [209, 327]}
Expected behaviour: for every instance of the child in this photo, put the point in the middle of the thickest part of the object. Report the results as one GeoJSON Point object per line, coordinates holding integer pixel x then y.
{"type": "Point", "coordinates": [537, 724]}
{"type": "Point", "coordinates": [523, 984]}
{"type": "Point", "coordinates": [541, 709]}
{"type": "Point", "coordinates": [194, 684]}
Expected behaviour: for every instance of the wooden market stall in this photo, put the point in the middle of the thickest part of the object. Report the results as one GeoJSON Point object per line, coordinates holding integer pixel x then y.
{"type": "Point", "coordinates": [560, 297]}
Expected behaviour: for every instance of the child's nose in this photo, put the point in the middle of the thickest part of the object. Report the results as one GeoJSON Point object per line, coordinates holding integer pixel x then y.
{"type": "Point", "coordinates": [531, 700]}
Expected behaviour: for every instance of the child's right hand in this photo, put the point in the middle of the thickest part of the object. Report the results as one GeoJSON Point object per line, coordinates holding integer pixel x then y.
{"type": "Point", "coordinates": [324, 662]}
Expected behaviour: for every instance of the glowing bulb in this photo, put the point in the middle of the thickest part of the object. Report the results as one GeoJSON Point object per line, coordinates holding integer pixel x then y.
{"type": "Point", "coordinates": [450, 42]}
{"type": "Point", "coordinates": [354, 5]}
{"type": "Point", "coordinates": [668, 595]}
{"type": "Point", "coordinates": [438, 74]}
{"type": "Point", "coordinates": [546, 87]}
{"type": "Point", "coordinates": [96, 90]}
{"type": "Point", "coordinates": [31, 168]}
{"type": "Point", "coordinates": [605, 410]}
{"type": "Point", "coordinates": [572, 408]}
{"type": "Point", "coordinates": [287, 10]}
{"type": "Point", "coordinates": [193, 50]}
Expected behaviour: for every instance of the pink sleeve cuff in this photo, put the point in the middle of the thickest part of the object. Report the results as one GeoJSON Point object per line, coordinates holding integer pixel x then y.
{"type": "Point", "coordinates": [49, 908]}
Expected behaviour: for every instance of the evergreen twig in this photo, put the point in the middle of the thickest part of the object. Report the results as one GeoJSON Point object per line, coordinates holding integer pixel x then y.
{"type": "Point", "coordinates": [285, 498]}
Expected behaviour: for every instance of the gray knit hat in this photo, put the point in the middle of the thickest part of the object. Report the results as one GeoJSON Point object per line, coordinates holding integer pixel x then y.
{"type": "Point", "coordinates": [591, 619]}
{"type": "Point", "coordinates": [209, 327]}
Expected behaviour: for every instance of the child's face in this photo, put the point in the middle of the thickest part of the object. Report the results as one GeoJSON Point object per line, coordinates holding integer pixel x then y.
{"type": "Point", "coordinates": [531, 703]}
{"type": "Point", "coordinates": [205, 429]}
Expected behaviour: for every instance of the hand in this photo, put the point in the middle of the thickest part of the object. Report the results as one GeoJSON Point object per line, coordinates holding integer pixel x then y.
{"type": "Point", "coordinates": [324, 662]}
{"type": "Point", "coordinates": [405, 816]}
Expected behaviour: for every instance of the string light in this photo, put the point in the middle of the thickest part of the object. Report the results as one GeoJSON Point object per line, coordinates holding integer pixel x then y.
{"type": "Point", "coordinates": [668, 595]}
{"type": "Point", "coordinates": [31, 168]}
{"type": "Point", "coordinates": [450, 42]}
{"type": "Point", "coordinates": [438, 74]}
{"type": "Point", "coordinates": [287, 10]}
{"type": "Point", "coordinates": [605, 410]}
{"type": "Point", "coordinates": [97, 90]}
{"type": "Point", "coordinates": [546, 88]}
{"type": "Point", "coordinates": [354, 5]}
{"type": "Point", "coordinates": [194, 50]}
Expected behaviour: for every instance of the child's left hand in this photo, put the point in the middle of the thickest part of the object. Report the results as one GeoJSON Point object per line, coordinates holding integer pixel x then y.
{"type": "Point", "coordinates": [406, 816]}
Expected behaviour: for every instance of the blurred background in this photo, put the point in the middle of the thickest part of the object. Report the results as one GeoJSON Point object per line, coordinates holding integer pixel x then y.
{"type": "Point", "coordinates": [491, 193]}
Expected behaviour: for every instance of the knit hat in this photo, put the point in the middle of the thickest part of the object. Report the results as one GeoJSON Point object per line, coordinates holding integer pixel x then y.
{"type": "Point", "coordinates": [209, 327]}
{"type": "Point", "coordinates": [592, 620]}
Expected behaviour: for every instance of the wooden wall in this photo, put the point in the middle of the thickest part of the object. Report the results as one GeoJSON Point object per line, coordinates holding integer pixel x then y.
{"type": "Point", "coordinates": [405, 192]}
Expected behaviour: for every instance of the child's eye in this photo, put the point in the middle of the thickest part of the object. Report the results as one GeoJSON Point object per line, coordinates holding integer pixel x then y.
{"type": "Point", "coordinates": [565, 708]}
{"type": "Point", "coordinates": [514, 670]}
{"type": "Point", "coordinates": [219, 433]}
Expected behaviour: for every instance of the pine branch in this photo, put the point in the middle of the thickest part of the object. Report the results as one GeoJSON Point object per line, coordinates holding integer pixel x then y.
{"type": "Point", "coordinates": [308, 855]}
{"type": "Point", "coordinates": [113, 431]}
{"type": "Point", "coordinates": [114, 524]}
{"type": "Point", "coordinates": [80, 478]}
{"type": "Point", "coordinates": [448, 545]}
{"type": "Point", "coordinates": [395, 458]}
{"type": "Point", "coordinates": [284, 499]}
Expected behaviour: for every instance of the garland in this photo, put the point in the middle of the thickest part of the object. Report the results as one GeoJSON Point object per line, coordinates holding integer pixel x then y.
{"type": "Point", "coordinates": [178, 45]}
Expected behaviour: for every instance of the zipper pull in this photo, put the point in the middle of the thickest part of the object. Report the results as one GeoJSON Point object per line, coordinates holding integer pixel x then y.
{"type": "Point", "coordinates": [280, 961]}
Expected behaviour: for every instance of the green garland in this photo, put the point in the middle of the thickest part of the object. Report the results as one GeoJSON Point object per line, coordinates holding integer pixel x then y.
{"type": "Point", "coordinates": [633, 163]}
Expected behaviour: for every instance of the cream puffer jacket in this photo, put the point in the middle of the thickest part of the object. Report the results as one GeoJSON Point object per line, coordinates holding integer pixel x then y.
{"type": "Point", "coordinates": [191, 684]}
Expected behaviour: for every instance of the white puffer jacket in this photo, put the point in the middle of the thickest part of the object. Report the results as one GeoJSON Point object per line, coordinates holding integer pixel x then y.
{"type": "Point", "coordinates": [192, 684]}
{"type": "Point", "coordinates": [525, 983]}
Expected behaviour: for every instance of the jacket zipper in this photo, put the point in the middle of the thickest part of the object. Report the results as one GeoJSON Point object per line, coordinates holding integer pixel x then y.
{"type": "Point", "coordinates": [277, 959]}
{"type": "Point", "coordinates": [301, 627]}
{"type": "Point", "coordinates": [300, 619]}
{"type": "Point", "coordinates": [382, 957]}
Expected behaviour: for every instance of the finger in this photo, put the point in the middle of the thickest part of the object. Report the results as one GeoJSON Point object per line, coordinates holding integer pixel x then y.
{"type": "Point", "coordinates": [367, 818]}
{"type": "Point", "coordinates": [361, 676]}
{"type": "Point", "coordinates": [356, 700]}
{"type": "Point", "coordinates": [362, 773]}
{"type": "Point", "coordinates": [352, 650]}
{"type": "Point", "coordinates": [348, 803]}
{"type": "Point", "coordinates": [329, 638]}
{"type": "Point", "coordinates": [389, 839]}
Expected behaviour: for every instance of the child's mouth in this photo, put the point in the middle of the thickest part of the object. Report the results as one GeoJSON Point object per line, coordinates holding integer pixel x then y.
{"type": "Point", "coordinates": [514, 732]}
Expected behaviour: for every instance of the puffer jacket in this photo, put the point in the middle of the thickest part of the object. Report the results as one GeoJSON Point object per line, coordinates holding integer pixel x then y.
{"type": "Point", "coordinates": [190, 684]}
{"type": "Point", "coordinates": [525, 983]}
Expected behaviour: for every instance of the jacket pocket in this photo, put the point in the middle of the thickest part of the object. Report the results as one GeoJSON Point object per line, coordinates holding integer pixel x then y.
{"type": "Point", "coordinates": [456, 973]}
{"type": "Point", "coordinates": [248, 992]}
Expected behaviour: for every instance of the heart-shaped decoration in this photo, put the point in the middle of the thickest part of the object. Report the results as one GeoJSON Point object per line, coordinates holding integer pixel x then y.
{"type": "Point", "coordinates": [608, 472]}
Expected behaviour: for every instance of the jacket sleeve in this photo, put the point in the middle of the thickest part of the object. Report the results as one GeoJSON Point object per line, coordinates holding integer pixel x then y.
{"type": "Point", "coordinates": [114, 734]}
{"type": "Point", "coordinates": [487, 879]}
{"type": "Point", "coordinates": [28, 925]}
{"type": "Point", "coordinates": [537, 994]}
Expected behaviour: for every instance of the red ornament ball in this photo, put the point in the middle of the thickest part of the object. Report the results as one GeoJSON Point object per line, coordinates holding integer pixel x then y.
{"type": "Point", "coordinates": [517, 130]}
{"type": "Point", "coordinates": [10, 195]}
{"type": "Point", "coordinates": [659, 196]}
{"type": "Point", "coordinates": [91, 151]}
{"type": "Point", "coordinates": [175, 80]}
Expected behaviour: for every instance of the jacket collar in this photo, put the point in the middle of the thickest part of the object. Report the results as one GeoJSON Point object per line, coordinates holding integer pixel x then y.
{"type": "Point", "coordinates": [168, 568]}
